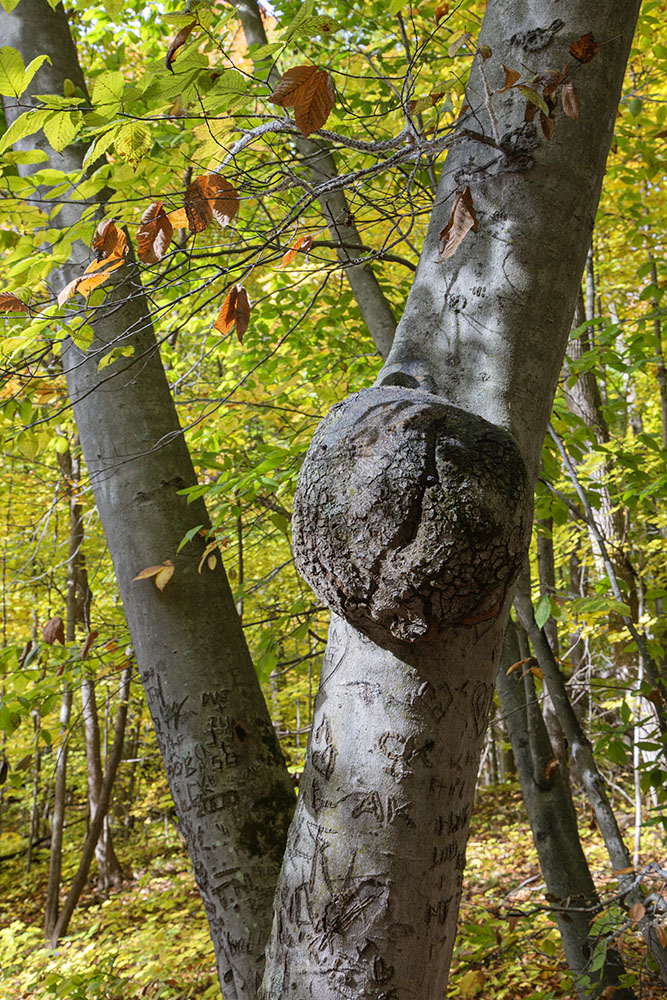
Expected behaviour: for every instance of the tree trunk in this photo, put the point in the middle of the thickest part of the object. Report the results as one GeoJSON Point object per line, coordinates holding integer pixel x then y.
{"type": "Point", "coordinates": [553, 823]}
{"type": "Point", "coordinates": [52, 907]}
{"type": "Point", "coordinates": [592, 779]}
{"type": "Point", "coordinates": [97, 820]}
{"type": "Point", "coordinates": [110, 872]}
{"type": "Point", "coordinates": [547, 576]}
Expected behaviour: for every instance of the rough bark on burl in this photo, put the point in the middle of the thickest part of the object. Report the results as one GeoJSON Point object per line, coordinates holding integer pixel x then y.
{"type": "Point", "coordinates": [411, 516]}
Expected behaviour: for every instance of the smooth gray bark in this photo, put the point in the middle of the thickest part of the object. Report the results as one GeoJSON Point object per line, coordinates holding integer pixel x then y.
{"type": "Point", "coordinates": [553, 823]}
{"type": "Point", "coordinates": [373, 913]}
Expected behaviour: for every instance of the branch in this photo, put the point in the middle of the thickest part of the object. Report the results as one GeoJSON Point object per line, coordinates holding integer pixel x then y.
{"type": "Point", "coordinates": [373, 305]}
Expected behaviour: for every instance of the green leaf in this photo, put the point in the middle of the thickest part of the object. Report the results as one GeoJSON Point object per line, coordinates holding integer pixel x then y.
{"type": "Point", "coordinates": [32, 68]}
{"type": "Point", "coordinates": [188, 536]}
{"type": "Point", "coordinates": [115, 355]}
{"type": "Point", "coordinates": [61, 128]}
{"type": "Point", "coordinates": [100, 146]}
{"type": "Point", "coordinates": [28, 123]}
{"type": "Point", "coordinates": [310, 27]}
{"type": "Point", "coordinates": [57, 102]}
{"type": "Point", "coordinates": [133, 142]}
{"type": "Point", "coordinates": [543, 610]}
{"type": "Point", "coordinates": [535, 98]}
{"type": "Point", "coordinates": [12, 71]}
{"type": "Point", "coordinates": [616, 752]}
{"type": "Point", "coordinates": [108, 89]}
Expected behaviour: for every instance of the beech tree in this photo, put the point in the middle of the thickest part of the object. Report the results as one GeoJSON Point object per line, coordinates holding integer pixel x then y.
{"type": "Point", "coordinates": [414, 508]}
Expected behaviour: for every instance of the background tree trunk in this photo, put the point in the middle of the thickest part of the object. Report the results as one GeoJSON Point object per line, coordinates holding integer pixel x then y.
{"type": "Point", "coordinates": [554, 825]}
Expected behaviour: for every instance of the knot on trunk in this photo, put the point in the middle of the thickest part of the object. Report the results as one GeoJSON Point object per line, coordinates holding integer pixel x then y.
{"type": "Point", "coordinates": [411, 516]}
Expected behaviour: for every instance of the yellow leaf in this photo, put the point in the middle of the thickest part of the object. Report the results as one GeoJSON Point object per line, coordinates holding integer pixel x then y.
{"type": "Point", "coordinates": [162, 573]}
{"type": "Point", "coordinates": [165, 574]}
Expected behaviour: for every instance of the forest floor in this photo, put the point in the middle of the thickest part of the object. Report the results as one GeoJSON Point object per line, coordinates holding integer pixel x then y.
{"type": "Point", "coordinates": [149, 939]}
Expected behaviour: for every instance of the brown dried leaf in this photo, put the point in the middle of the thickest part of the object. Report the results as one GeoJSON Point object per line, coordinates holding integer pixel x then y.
{"type": "Point", "coordinates": [552, 768]}
{"type": "Point", "coordinates": [227, 316]}
{"type": "Point", "coordinates": [511, 76]}
{"type": "Point", "coordinates": [304, 244]}
{"type": "Point", "coordinates": [530, 112]}
{"type": "Point", "coordinates": [97, 272]}
{"type": "Point", "coordinates": [109, 241]}
{"type": "Point", "coordinates": [223, 198]}
{"type": "Point", "coordinates": [197, 206]}
{"type": "Point", "coordinates": [462, 219]}
{"type": "Point", "coordinates": [235, 311]}
{"type": "Point", "coordinates": [242, 313]}
{"type": "Point", "coordinates": [624, 871]}
{"type": "Point", "coordinates": [310, 91]}
{"type": "Point", "coordinates": [54, 631]}
{"type": "Point", "coordinates": [88, 644]}
{"type": "Point", "coordinates": [154, 234]}
{"type": "Point", "coordinates": [570, 100]}
{"type": "Point", "coordinates": [547, 124]}
{"type": "Point", "coordinates": [585, 48]}
{"type": "Point", "coordinates": [11, 303]}
{"type": "Point", "coordinates": [637, 910]}
{"type": "Point", "coordinates": [177, 42]}
{"type": "Point", "coordinates": [485, 51]}
{"type": "Point", "coordinates": [178, 218]}
{"type": "Point", "coordinates": [441, 11]}
{"type": "Point", "coordinates": [662, 935]}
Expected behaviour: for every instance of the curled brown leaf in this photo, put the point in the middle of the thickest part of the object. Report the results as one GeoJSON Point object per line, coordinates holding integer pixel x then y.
{"type": "Point", "coordinates": [570, 100]}
{"type": "Point", "coordinates": [11, 303]}
{"type": "Point", "coordinates": [235, 311]}
{"type": "Point", "coordinates": [177, 42]}
{"type": "Point", "coordinates": [109, 241]}
{"type": "Point", "coordinates": [54, 631]}
{"type": "Point", "coordinates": [154, 234]}
{"type": "Point", "coordinates": [585, 48]}
{"type": "Point", "coordinates": [461, 220]}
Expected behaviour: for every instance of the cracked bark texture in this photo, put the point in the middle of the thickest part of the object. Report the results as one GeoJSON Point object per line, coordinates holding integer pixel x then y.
{"type": "Point", "coordinates": [370, 887]}
{"type": "Point", "coordinates": [411, 516]}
